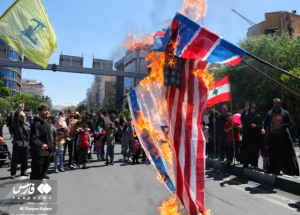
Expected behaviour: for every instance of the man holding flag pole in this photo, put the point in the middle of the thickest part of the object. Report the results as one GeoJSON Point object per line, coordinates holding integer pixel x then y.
{"type": "Point", "coordinates": [220, 93]}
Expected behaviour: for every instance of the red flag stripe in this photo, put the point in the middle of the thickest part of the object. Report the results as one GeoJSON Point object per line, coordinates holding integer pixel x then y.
{"type": "Point", "coordinates": [188, 133]}
{"type": "Point", "coordinates": [224, 97]}
{"type": "Point", "coordinates": [200, 167]}
{"type": "Point", "coordinates": [222, 81]}
{"type": "Point", "coordinates": [171, 98]}
{"type": "Point", "coordinates": [178, 127]}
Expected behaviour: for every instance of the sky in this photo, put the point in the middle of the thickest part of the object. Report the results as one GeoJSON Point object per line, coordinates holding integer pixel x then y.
{"type": "Point", "coordinates": [98, 27]}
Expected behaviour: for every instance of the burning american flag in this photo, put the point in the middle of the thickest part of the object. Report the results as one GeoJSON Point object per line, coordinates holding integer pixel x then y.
{"type": "Point", "coordinates": [167, 106]}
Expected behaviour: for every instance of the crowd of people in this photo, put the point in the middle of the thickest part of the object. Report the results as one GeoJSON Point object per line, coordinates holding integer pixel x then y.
{"type": "Point", "coordinates": [247, 140]}
{"type": "Point", "coordinates": [49, 139]}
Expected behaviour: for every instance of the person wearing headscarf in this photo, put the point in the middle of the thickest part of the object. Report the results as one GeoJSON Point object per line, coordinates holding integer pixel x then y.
{"type": "Point", "coordinates": [252, 124]}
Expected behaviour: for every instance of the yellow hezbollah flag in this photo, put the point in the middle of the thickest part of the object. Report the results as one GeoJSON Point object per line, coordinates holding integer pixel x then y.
{"type": "Point", "coordinates": [26, 27]}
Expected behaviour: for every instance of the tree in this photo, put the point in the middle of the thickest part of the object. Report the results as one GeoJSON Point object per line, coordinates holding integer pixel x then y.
{"type": "Point", "coordinates": [54, 112]}
{"type": "Point", "coordinates": [31, 102]}
{"type": "Point", "coordinates": [5, 105]}
{"type": "Point", "coordinates": [4, 92]}
{"type": "Point", "coordinates": [248, 85]}
{"type": "Point", "coordinates": [66, 110]}
{"type": "Point", "coordinates": [125, 112]}
{"type": "Point", "coordinates": [80, 107]}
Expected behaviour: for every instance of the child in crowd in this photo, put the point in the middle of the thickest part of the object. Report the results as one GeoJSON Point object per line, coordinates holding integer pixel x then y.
{"type": "Point", "coordinates": [233, 131]}
{"type": "Point", "coordinates": [98, 145]}
{"type": "Point", "coordinates": [60, 123]}
{"type": "Point", "coordinates": [110, 140]}
{"type": "Point", "coordinates": [82, 145]}
{"type": "Point", "coordinates": [59, 153]}
{"type": "Point", "coordinates": [137, 149]}
{"type": "Point", "coordinates": [89, 157]}
{"type": "Point", "coordinates": [265, 152]}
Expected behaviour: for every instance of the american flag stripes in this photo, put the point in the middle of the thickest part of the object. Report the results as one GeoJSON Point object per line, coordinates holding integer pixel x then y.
{"type": "Point", "coordinates": [186, 104]}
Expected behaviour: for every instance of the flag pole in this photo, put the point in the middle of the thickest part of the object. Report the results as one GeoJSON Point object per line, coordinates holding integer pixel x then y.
{"type": "Point", "coordinates": [271, 65]}
{"type": "Point", "coordinates": [215, 133]}
{"type": "Point", "coordinates": [273, 80]}
{"type": "Point", "coordinates": [233, 135]}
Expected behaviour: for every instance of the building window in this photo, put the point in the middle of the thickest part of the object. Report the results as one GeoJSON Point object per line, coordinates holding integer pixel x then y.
{"type": "Point", "coordinates": [271, 31]}
{"type": "Point", "coordinates": [2, 42]}
{"type": "Point", "coordinates": [13, 55]}
{"type": "Point", "coordinates": [7, 84]}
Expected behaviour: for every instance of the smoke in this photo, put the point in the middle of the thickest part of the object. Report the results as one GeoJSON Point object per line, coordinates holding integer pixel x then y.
{"type": "Point", "coordinates": [161, 7]}
{"type": "Point", "coordinates": [117, 53]}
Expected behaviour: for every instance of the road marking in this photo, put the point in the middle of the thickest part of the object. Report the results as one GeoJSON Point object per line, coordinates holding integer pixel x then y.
{"type": "Point", "coordinates": [241, 187]}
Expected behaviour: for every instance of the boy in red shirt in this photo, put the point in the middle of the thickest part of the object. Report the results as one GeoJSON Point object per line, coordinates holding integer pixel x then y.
{"type": "Point", "coordinates": [82, 145]}
{"type": "Point", "coordinates": [233, 131]}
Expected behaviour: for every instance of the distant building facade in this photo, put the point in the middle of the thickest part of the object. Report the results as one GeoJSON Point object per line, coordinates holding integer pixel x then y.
{"type": "Point", "coordinates": [11, 76]}
{"type": "Point", "coordinates": [119, 65]}
{"type": "Point", "coordinates": [132, 62]}
{"type": "Point", "coordinates": [102, 92]}
{"type": "Point", "coordinates": [280, 22]}
{"type": "Point", "coordinates": [31, 87]}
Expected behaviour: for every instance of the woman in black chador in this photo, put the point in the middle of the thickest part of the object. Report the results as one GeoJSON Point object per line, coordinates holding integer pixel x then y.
{"type": "Point", "coordinates": [252, 125]}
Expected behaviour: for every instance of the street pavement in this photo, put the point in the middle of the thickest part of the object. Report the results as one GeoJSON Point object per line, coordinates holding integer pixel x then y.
{"type": "Point", "coordinates": [134, 190]}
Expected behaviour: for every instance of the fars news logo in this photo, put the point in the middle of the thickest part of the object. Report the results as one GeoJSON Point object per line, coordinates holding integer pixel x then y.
{"type": "Point", "coordinates": [28, 191]}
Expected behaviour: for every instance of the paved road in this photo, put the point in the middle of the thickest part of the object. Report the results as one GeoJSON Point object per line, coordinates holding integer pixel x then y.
{"type": "Point", "coordinates": [127, 189]}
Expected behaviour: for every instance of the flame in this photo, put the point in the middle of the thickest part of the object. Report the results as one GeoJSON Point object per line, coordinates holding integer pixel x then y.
{"type": "Point", "coordinates": [195, 9]}
{"type": "Point", "coordinates": [143, 125]}
{"type": "Point", "coordinates": [161, 177]}
{"type": "Point", "coordinates": [207, 212]}
{"type": "Point", "coordinates": [134, 42]}
{"type": "Point", "coordinates": [169, 207]}
{"type": "Point", "coordinates": [207, 77]}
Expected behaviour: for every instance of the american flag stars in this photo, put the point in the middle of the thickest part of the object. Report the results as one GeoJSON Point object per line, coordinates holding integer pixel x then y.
{"type": "Point", "coordinates": [172, 75]}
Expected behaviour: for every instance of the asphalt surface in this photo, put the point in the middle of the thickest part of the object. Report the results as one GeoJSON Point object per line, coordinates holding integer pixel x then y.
{"type": "Point", "coordinates": [133, 189]}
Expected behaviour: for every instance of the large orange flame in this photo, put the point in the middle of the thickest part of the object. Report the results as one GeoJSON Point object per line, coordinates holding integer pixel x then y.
{"type": "Point", "coordinates": [144, 127]}
{"type": "Point", "coordinates": [169, 207]}
{"type": "Point", "coordinates": [133, 42]}
{"type": "Point", "coordinates": [195, 9]}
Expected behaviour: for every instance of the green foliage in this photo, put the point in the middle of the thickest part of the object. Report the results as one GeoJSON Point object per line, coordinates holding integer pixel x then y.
{"type": "Point", "coordinates": [97, 111]}
{"type": "Point", "coordinates": [31, 102]}
{"type": "Point", "coordinates": [247, 85]}
{"type": "Point", "coordinates": [80, 107]}
{"type": "Point", "coordinates": [4, 92]}
{"type": "Point", "coordinates": [5, 105]}
{"type": "Point", "coordinates": [54, 112]}
{"type": "Point", "coordinates": [125, 112]}
{"type": "Point", "coordinates": [66, 110]}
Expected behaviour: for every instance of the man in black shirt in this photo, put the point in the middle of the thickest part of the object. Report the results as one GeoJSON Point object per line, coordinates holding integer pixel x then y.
{"type": "Point", "coordinates": [222, 136]}
{"type": "Point", "coordinates": [39, 140]}
{"type": "Point", "coordinates": [211, 131]}
{"type": "Point", "coordinates": [20, 142]}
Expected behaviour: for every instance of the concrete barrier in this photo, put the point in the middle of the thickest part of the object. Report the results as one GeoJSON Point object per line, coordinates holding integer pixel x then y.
{"type": "Point", "coordinates": [286, 183]}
